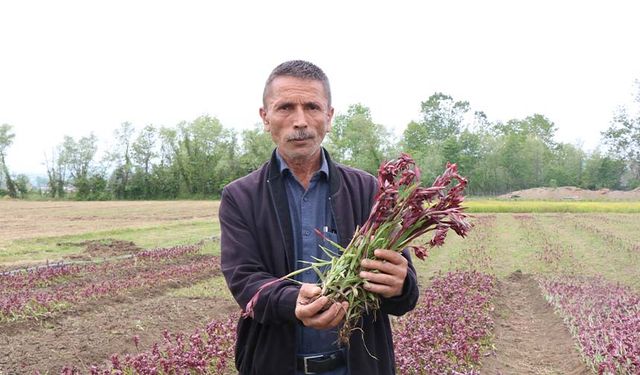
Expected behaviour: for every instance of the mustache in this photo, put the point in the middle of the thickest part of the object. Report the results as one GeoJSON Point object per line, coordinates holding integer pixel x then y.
{"type": "Point", "coordinates": [300, 135]}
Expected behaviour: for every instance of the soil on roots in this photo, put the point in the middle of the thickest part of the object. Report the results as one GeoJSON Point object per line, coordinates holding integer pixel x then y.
{"type": "Point", "coordinates": [529, 337]}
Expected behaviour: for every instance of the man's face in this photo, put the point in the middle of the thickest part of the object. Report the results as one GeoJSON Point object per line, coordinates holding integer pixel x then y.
{"type": "Point", "coordinates": [297, 114]}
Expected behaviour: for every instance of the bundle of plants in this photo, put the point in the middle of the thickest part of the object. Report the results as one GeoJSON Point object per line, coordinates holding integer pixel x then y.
{"type": "Point", "coordinates": [403, 212]}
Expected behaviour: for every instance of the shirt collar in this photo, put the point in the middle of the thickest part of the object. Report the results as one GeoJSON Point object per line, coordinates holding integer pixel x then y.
{"type": "Point", "coordinates": [324, 166]}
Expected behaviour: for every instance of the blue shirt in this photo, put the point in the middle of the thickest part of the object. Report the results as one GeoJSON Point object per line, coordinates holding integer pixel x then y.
{"type": "Point", "coordinates": [309, 210]}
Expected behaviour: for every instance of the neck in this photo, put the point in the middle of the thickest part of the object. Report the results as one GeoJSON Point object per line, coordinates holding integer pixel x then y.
{"type": "Point", "coordinates": [304, 168]}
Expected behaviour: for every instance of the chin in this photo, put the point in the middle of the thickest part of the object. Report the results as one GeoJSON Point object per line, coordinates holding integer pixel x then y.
{"type": "Point", "coordinates": [297, 153]}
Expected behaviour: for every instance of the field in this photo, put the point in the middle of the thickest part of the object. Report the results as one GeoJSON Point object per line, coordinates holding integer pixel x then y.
{"type": "Point", "coordinates": [528, 292]}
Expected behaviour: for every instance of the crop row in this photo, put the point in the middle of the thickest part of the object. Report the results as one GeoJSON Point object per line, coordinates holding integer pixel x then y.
{"type": "Point", "coordinates": [31, 294]}
{"type": "Point", "coordinates": [603, 317]}
{"type": "Point", "coordinates": [477, 254]}
{"type": "Point", "coordinates": [450, 328]}
{"type": "Point", "coordinates": [446, 333]}
{"type": "Point", "coordinates": [166, 253]}
{"type": "Point", "coordinates": [613, 240]}
{"type": "Point", "coordinates": [206, 351]}
{"type": "Point", "coordinates": [548, 249]}
{"type": "Point", "coordinates": [41, 277]}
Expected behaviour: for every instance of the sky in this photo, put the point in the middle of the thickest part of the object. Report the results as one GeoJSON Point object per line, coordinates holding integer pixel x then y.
{"type": "Point", "coordinates": [77, 67]}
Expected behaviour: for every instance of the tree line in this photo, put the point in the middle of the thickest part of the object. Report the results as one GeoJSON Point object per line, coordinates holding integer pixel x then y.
{"type": "Point", "coordinates": [197, 159]}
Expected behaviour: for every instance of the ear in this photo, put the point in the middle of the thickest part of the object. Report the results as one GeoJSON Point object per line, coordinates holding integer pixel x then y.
{"type": "Point", "coordinates": [265, 121]}
{"type": "Point", "coordinates": [330, 119]}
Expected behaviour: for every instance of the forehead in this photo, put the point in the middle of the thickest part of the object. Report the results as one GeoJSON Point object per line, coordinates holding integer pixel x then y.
{"type": "Point", "coordinates": [286, 88]}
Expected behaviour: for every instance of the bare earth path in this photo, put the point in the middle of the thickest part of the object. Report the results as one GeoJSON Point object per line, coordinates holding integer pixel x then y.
{"type": "Point", "coordinates": [529, 337]}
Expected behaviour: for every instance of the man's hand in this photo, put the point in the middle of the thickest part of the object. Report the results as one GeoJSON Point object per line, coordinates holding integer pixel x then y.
{"type": "Point", "coordinates": [310, 309]}
{"type": "Point", "coordinates": [391, 271]}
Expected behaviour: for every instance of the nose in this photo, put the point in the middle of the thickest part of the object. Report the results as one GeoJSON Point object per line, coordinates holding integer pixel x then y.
{"type": "Point", "coordinates": [299, 117]}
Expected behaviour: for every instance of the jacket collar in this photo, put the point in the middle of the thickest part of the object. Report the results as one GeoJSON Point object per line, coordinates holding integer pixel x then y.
{"type": "Point", "coordinates": [334, 178]}
{"type": "Point", "coordinates": [278, 193]}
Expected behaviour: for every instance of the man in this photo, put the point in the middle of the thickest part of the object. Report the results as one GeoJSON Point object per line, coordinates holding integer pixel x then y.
{"type": "Point", "coordinates": [268, 219]}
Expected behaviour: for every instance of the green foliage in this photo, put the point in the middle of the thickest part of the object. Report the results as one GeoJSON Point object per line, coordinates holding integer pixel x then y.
{"type": "Point", "coordinates": [565, 167]}
{"type": "Point", "coordinates": [256, 148]}
{"type": "Point", "coordinates": [120, 156]}
{"type": "Point", "coordinates": [623, 139]}
{"type": "Point", "coordinates": [197, 159]}
{"type": "Point", "coordinates": [357, 141]}
{"type": "Point", "coordinates": [205, 156]}
{"type": "Point", "coordinates": [442, 118]}
{"type": "Point", "coordinates": [22, 184]}
{"type": "Point", "coordinates": [6, 139]}
{"type": "Point", "coordinates": [602, 172]}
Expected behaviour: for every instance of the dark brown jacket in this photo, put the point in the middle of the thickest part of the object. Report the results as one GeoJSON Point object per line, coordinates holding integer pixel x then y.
{"type": "Point", "coordinates": [257, 246]}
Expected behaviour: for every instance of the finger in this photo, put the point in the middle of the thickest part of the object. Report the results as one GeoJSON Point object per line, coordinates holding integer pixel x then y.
{"type": "Point", "coordinates": [385, 285]}
{"type": "Point", "coordinates": [309, 291]}
{"type": "Point", "coordinates": [329, 318]}
{"type": "Point", "coordinates": [379, 278]}
{"type": "Point", "coordinates": [377, 265]}
{"type": "Point", "coordinates": [383, 290]}
{"type": "Point", "coordinates": [341, 310]}
{"type": "Point", "coordinates": [390, 256]}
{"type": "Point", "coordinates": [310, 309]}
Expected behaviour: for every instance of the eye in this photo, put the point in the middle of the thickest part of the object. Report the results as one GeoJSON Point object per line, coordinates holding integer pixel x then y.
{"type": "Point", "coordinates": [313, 107]}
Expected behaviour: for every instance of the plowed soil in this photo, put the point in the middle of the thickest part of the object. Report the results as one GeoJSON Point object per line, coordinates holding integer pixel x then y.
{"type": "Point", "coordinates": [529, 337]}
{"type": "Point", "coordinates": [25, 219]}
{"type": "Point", "coordinates": [89, 335]}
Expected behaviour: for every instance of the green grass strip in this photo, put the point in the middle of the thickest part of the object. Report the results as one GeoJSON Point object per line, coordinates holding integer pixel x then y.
{"type": "Point", "coordinates": [522, 206]}
{"type": "Point", "coordinates": [179, 233]}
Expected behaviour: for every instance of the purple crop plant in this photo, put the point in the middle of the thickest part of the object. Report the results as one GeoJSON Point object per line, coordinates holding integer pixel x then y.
{"type": "Point", "coordinates": [163, 254]}
{"type": "Point", "coordinates": [207, 351]}
{"type": "Point", "coordinates": [603, 317]}
{"type": "Point", "coordinates": [32, 294]}
{"type": "Point", "coordinates": [38, 278]}
{"type": "Point", "coordinates": [449, 329]}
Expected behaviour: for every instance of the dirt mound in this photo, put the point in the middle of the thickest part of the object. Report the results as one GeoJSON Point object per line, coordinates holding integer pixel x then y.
{"type": "Point", "coordinates": [572, 193]}
{"type": "Point", "coordinates": [103, 248]}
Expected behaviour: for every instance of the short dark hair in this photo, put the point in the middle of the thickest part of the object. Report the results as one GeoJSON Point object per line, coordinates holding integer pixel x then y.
{"type": "Point", "coordinates": [298, 69]}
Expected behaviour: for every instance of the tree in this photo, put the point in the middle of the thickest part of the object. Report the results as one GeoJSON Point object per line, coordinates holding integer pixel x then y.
{"type": "Point", "coordinates": [56, 172]}
{"type": "Point", "coordinates": [566, 166]}
{"type": "Point", "coordinates": [526, 150]}
{"type": "Point", "coordinates": [6, 139]}
{"type": "Point", "coordinates": [144, 148]}
{"type": "Point", "coordinates": [143, 153]}
{"type": "Point", "coordinates": [357, 141]}
{"type": "Point", "coordinates": [442, 117]}
{"type": "Point", "coordinates": [536, 126]}
{"type": "Point", "coordinates": [204, 155]}
{"type": "Point", "coordinates": [166, 176]}
{"type": "Point", "coordinates": [23, 185]}
{"type": "Point", "coordinates": [256, 148]}
{"type": "Point", "coordinates": [623, 139]}
{"type": "Point", "coordinates": [78, 156]}
{"type": "Point", "coordinates": [488, 175]}
{"type": "Point", "coordinates": [121, 157]}
{"type": "Point", "coordinates": [71, 165]}
{"type": "Point", "coordinates": [435, 139]}
{"type": "Point", "coordinates": [602, 172]}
